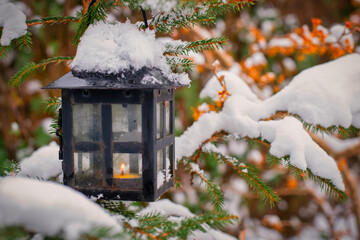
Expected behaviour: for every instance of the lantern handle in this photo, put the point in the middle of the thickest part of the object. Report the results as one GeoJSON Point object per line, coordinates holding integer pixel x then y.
{"type": "Point", "coordinates": [144, 16]}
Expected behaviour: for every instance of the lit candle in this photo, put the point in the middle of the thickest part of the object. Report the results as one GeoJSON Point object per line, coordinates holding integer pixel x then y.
{"type": "Point", "coordinates": [122, 167]}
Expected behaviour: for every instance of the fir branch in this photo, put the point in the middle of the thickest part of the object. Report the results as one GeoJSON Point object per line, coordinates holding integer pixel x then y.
{"type": "Point", "coordinates": [177, 62]}
{"type": "Point", "coordinates": [248, 174]}
{"type": "Point", "coordinates": [25, 71]}
{"type": "Point", "coordinates": [189, 225]}
{"type": "Point", "coordinates": [193, 13]}
{"type": "Point", "coordinates": [217, 197]}
{"type": "Point", "coordinates": [272, 161]}
{"type": "Point", "coordinates": [219, 7]}
{"type": "Point", "coordinates": [327, 184]}
{"type": "Point", "coordinates": [197, 46]}
{"type": "Point", "coordinates": [99, 233]}
{"type": "Point", "coordinates": [24, 41]}
{"type": "Point", "coordinates": [19, 42]}
{"type": "Point", "coordinates": [155, 223]}
{"type": "Point", "coordinates": [9, 167]}
{"type": "Point", "coordinates": [52, 105]}
{"type": "Point", "coordinates": [186, 16]}
{"type": "Point", "coordinates": [14, 232]}
{"type": "Point", "coordinates": [297, 172]}
{"type": "Point", "coordinates": [343, 132]}
{"type": "Point", "coordinates": [4, 52]}
{"type": "Point", "coordinates": [52, 20]}
{"type": "Point", "coordinates": [54, 126]}
{"type": "Point", "coordinates": [316, 128]}
{"type": "Point", "coordinates": [132, 4]}
{"type": "Point", "coordinates": [151, 225]}
{"type": "Point", "coordinates": [95, 12]}
{"type": "Point", "coordinates": [218, 220]}
{"type": "Point", "coordinates": [324, 183]}
{"type": "Point", "coordinates": [348, 132]}
{"type": "Point", "coordinates": [138, 231]}
{"type": "Point", "coordinates": [116, 207]}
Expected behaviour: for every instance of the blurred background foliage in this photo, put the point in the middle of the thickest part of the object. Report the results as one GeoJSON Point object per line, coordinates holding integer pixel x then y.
{"type": "Point", "coordinates": [303, 212]}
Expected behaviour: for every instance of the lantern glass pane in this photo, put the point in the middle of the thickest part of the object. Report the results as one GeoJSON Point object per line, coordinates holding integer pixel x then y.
{"type": "Point", "coordinates": [169, 157]}
{"type": "Point", "coordinates": [168, 118]}
{"type": "Point", "coordinates": [88, 169]}
{"type": "Point", "coordinates": [160, 160]}
{"type": "Point", "coordinates": [126, 122]}
{"type": "Point", "coordinates": [127, 171]}
{"type": "Point", "coordinates": [87, 122]}
{"type": "Point", "coordinates": [160, 168]}
{"type": "Point", "coordinates": [127, 165]}
{"type": "Point", "coordinates": [159, 120]}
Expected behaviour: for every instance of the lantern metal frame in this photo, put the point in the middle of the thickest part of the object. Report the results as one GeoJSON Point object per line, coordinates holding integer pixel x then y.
{"type": "Point", "coordinates": [92, 89]}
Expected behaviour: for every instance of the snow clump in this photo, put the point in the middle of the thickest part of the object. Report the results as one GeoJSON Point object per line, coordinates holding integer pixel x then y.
{"type": "Point", "coordinates": [176, 213]}
{"type": "Point", "coordinates": [13, 22]}
{"type": "Point", "coordinates": [115, 48]}
{"type": "Point", "coordinates": [50, 208]}
{"type": "Point", "coordinates": [44, 163]}
{"type": "Point", "coordinates": [159, 5]}
{"type": "Point", "coordinates": [327, 94]}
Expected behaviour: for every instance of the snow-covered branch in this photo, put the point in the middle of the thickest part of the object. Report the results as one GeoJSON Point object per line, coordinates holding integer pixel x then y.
{"type": "Point", "coordinates": [325, 95]}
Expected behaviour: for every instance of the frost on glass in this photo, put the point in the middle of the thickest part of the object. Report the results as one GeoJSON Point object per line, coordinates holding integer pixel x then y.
{"type": "Point", "coordinates": [159, 120]}
{"type": "Point", "coordinates": [86, 122]}
{"type": "Point", "coordinates": [168, 118]}
{"type": "Point", "coordinates": [126, 122]}
{"type": "Point", "coordinates": [88, 169]}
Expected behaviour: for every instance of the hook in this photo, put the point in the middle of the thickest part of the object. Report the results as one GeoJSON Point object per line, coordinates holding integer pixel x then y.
{"type": "Point", "coordinates": [144, 16]}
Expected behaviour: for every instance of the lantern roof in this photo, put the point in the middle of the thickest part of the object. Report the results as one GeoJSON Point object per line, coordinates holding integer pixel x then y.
{"type": "Point", "coordinates": [119, 56]}
{"type": "Point", "coordinates": [144, 78]}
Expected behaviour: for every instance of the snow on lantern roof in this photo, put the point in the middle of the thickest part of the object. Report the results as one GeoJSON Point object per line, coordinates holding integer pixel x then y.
{"type": "Point", "coordinates": [143, 78]}
{"type": "Point", "coordinates": [116, 56]}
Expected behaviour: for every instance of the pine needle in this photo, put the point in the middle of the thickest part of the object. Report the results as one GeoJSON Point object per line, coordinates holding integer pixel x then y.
{"type": "Point", "coordinates": [197, 46]}
{"type": "Point", "coordinates": [248, 174]}
{"type": "Point", "coordinates": [325, 184]}
{"type": "Point", "coordinates": [52, 20]}
{"type": "Point", "coordinates": [25, 71]}
{"type": "Point", "coordinates": [52, 105]}
{"type": "Point", "coordinates": [95, 12]}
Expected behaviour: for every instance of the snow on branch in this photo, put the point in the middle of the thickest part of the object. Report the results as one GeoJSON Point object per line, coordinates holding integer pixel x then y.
{"type": "Point", "coordinates": [50, 208]}
{"type": "Point", "coordinates": [198, 226]}
{"type": "Point", "coordinates": [44, 163]}
{"type": "Point", "coordinates": [13, 22]}
{"type": "Point", "coordinates": [326, 95]}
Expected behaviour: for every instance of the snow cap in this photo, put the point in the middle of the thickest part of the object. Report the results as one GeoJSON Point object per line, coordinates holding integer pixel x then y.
{"type": "Point", "coordinates": [120, 56]}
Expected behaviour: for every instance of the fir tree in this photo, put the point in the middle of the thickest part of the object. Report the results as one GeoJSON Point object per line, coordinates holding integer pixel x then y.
{"type": "Point", "coordinates": [186, 15]}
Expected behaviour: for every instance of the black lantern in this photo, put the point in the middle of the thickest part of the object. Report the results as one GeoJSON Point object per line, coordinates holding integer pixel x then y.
{"type": "Point", "coordinates": [118, 133]}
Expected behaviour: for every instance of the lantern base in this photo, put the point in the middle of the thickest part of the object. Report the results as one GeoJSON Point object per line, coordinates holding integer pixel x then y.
{"type": "Point", "coordinates": [125, 195]}
{"type": "Point", "coordinates": [128, 182]}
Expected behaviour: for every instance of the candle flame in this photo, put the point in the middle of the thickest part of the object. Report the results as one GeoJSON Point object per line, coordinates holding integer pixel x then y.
{"type": "Point", "coordinates": [122, 166]}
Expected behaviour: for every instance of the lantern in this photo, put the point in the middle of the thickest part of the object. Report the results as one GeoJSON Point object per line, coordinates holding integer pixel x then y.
{"type": "Point", "coordinates": [118, 133]}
